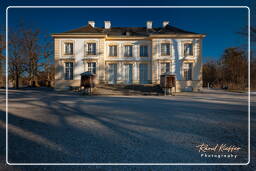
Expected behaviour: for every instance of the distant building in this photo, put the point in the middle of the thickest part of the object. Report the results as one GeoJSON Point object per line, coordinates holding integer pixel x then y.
{"type": "Point", "coordinates": [129, 55]}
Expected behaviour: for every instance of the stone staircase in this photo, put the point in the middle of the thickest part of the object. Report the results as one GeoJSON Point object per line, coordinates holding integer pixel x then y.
{"type": "Point", "coordinates": [128, 90]}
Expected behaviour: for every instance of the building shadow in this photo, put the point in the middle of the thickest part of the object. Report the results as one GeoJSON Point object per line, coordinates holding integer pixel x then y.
{"type": "Point", "coordinates": [118, 129]}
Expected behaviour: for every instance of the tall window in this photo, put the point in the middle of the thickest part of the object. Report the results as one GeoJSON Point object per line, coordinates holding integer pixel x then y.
{"type": "Point", "coordinates": [68, 70]}
{"type": "Point", "coordinates": [165, 67]}
{"type": "Point", "coordinates": [143, 51]}
{"type": "Point", "coordinates": [113, 50]}
{"type": "Point", "coordinates": [92, 67]}
{"type": "Point", "coordinates": [91, 49]}
{"type": "Point", "coordinates": [187, 68]}
{"type": "Point", "coordinates": [68, 48]}
{"type": "Point", "coordinates": [128, 50]}
{"type": "Point", "coordinates": [188, 49]}
{"type": "Point", "coordinates": [165, 49]}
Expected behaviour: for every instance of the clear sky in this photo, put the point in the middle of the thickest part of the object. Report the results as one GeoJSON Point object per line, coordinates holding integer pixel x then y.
{"type": "Point", "coordinates": [220, 25]}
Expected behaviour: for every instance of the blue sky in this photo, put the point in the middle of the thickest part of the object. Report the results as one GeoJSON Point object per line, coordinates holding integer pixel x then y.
{"type": "Point", "coordinates": [220, 25]}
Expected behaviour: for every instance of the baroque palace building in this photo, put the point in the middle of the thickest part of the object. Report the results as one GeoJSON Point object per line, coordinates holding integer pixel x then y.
{"type": "Point", "coordinates": [128, 55]}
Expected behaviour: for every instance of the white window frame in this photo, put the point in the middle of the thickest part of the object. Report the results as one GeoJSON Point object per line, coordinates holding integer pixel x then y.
{"type": "Point", "coordinates": [128, 50]}
{"type": "Point", "coordinates": [91, 68]}
{"type": "Point", "coordinates": [69, 70]}
{"type": "Point", "coordinates": [68, 48]}
{"type": "Point", "coordinates": [90, 49]}
{"type": "Point", "coordinates": [143, 50]}
{"type": "Point", "coordinates": [188, 52]}
{"type": "Point", "coordinates": [166, 52]}
{"type": "Point", "coordinates": [112, 53]}
{"type": "Point", "coordinates": [188, 71]}
{"type": "Point", "coordinates": [163, 66]}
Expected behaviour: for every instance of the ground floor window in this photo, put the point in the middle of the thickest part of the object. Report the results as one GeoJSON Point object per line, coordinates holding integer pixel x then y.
{"type": "Point", "coordinates": [143, 73]}
{"type": "Point", "coordinates": [92, 67]}
{"type": "Point", "coordinates": [112, 73]}
{"type": "Point", "coordinates": [68, 70]}
{"type": "Point", "coordinates": [165, 67]}
{"type": "Point", "coordinates": [187, 68]}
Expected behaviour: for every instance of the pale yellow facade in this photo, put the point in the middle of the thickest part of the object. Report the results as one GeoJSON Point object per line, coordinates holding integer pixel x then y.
{"type": "Point", "coordinates": [134, 69]}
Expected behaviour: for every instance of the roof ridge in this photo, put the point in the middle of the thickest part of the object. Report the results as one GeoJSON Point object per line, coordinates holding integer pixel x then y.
{"type": "Point", "coordinates": [168, 29]}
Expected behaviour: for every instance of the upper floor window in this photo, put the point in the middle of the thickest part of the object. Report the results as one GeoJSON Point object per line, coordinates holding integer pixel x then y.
{"type": "Point", "coordinates": [91, 49]}
{"type": "Point", "coordinates": [165, 67]}
{"type": "Point", "coordinates": [128, 50]}
{"type": "Point", "coordinates": [188, 49]}
{"type": "Point", "coordinates": [143, 51]}
{"type": "Point", "coordinates": [68, 48]}
{"type": "Point", "coordinates": [68, 70]}
{"type": "Point", "coordinates": [92, 67]}
{"type": "Point", "coordinates": [187, 68]}
{"type": "Point", "coordinates": [113, 50]}
{"type": "Point", "coordinates": [165, 49]}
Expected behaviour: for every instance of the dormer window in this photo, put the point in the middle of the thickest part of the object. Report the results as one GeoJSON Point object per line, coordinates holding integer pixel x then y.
{"type": "Point", "coordinates": [68, 48]}
{"type": "Point", "coordinates": [128, 33]}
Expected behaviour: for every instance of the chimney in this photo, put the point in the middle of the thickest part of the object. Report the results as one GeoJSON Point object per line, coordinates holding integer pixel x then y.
{"type": "Point", "coordinates": [149, 24]}
{"type": "Point", "coordinates": [165, 23]}
{"type": "Point", "coordinates": [107, 24]}
{"type": "Point", "coordinates": [92, 23]}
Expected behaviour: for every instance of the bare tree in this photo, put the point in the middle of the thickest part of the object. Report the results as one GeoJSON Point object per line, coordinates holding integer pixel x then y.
{"type": "Point", "coordinates": [210, 72]}
{"type": "Point", "coordinates": [2, 57]}
{"type": "Point", "coordinates": [235, 67]}
{"type": "Point", "coordinates": [31, 50]}
{"type": "Point", "coordinates": [244, 33]}
{"type": "Point", "coordinates": [230, 71]}
{"type": "Point", "coordinates": [47, 52]}
{"type": "Point", "coordinates": [31, 55]}
{"type": "Point", "coordinates": [16, 60]}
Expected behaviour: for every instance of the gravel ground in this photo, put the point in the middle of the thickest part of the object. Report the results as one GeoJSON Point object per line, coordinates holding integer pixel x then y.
{"type": "Point", "coordinates": [58, 127]}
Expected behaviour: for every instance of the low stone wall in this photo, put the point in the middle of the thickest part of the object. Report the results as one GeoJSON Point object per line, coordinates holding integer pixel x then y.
{"type": "Point", "coordinates": [65, 84]}
{"type": "Point", "coordinates": [182, 85]}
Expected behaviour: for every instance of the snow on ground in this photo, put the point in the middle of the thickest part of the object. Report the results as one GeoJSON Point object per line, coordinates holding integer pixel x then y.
{"type": "Point", "coordinates": [58, 127]}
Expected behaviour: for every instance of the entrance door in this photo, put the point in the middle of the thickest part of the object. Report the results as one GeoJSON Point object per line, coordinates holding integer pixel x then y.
{"type": "Point", "coordinates": [143, 73]}
{"type": "Point", "coordinates": [128, 73]}
{"type": "Point", "coordinates": [112, 73]}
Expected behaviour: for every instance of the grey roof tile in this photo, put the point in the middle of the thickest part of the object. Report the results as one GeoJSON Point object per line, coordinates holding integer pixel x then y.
{"type": "Point", "coordinates": [131, 31]}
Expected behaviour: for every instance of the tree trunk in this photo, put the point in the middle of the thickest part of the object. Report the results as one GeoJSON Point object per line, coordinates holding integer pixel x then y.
{"type": "Point", "coordinates": [17, 81]}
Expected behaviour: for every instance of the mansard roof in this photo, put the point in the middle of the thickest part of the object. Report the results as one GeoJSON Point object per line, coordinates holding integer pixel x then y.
{"type": "Point", "coordinates": [128, 31]}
